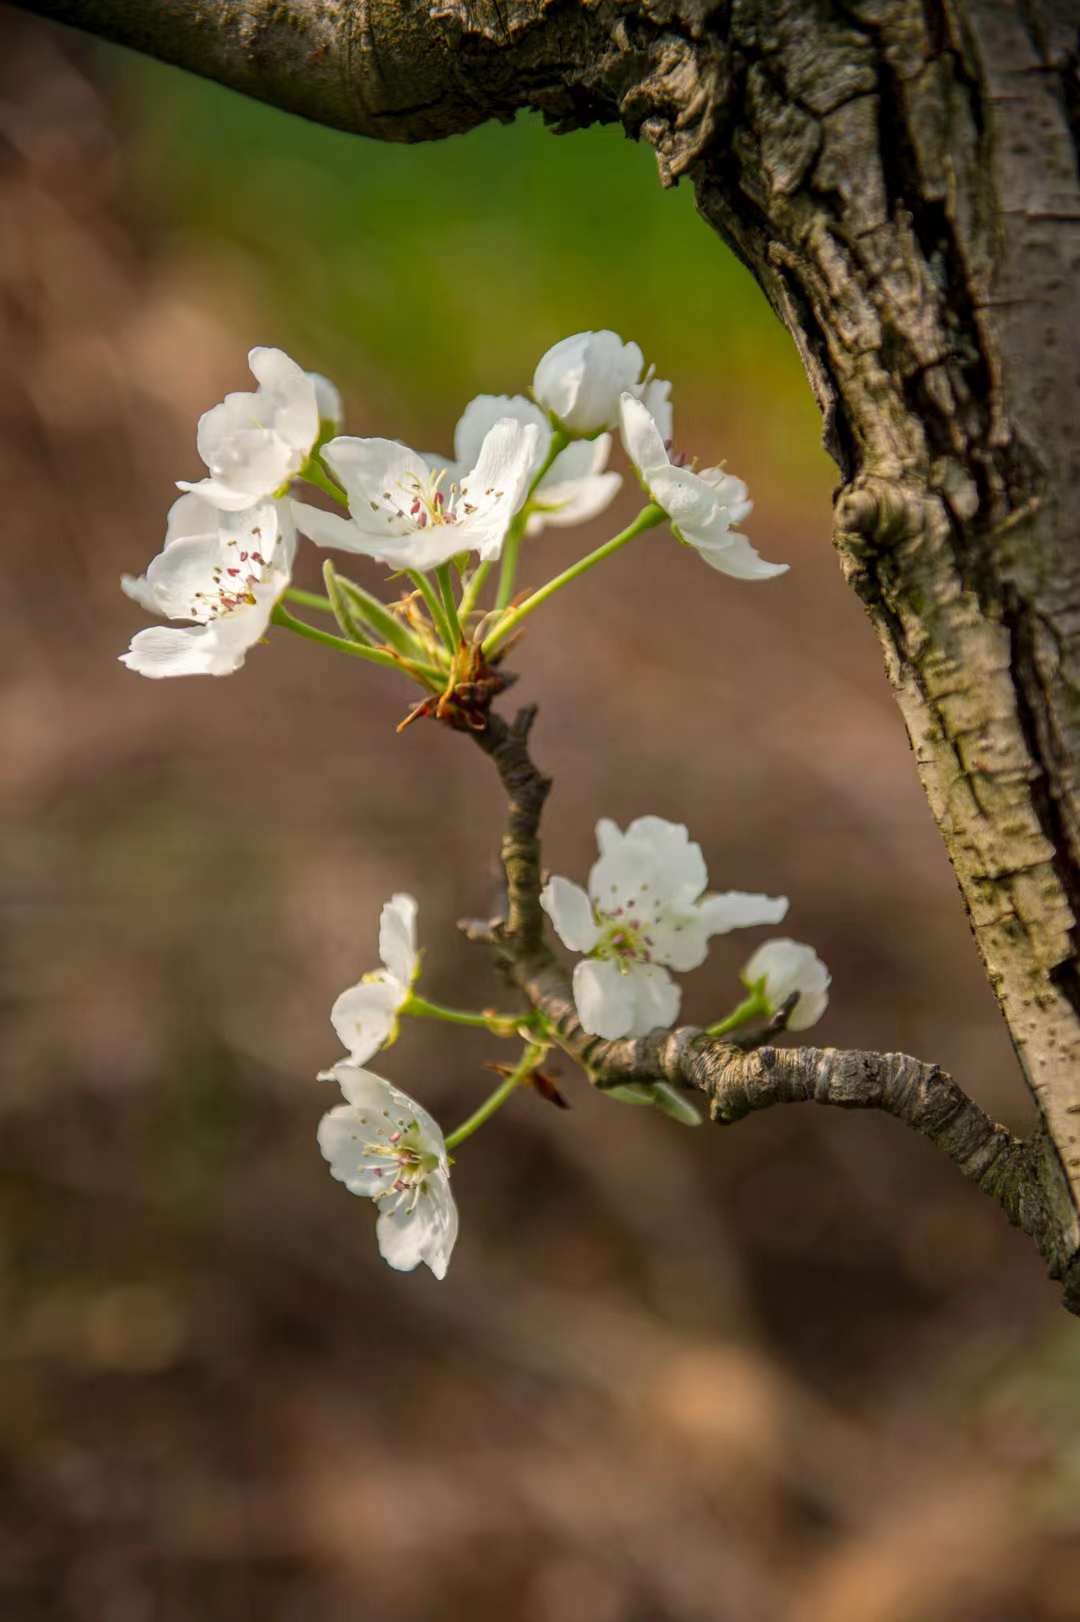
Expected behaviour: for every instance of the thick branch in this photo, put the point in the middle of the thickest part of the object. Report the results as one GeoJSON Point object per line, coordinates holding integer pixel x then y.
{"type": "Point", "coordinates": [733, 1080]}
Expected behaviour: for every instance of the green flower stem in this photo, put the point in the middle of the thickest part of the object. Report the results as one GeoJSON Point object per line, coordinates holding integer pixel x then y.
{"type": "Point", "coordinates": [446, 585]}
{"type": "Point", "coordinates": [473, 589]}
{"type": "Point", "coordinates": [379, 617]}
{"type": "Point", "coordinates": [749, 1008]}
{"type": "Point", "coordinates": [497, 1024]}
{"type": "Point", "coordinates": [647, 518]}
{"type": "Point", "coordinates": [378, 656]}
{"type": "Point", "coordinates": [308, 599]}
{"type": "Point", "coordinates": [512, 545]}
{"type": "Point", "coordinates": [521, 1072]}
{"type": "Point", "coordinates": [314, 473]}
{"type": "Point", "coordinates": [348, 621]}
{"type": "Point", "coordinates": [434, 606]}
{"type": "Point", "coordinates": [508, 567]}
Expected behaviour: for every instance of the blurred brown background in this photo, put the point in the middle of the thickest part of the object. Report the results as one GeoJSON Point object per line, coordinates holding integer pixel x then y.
{"type": "Point", "coordinates": [798, 1369]}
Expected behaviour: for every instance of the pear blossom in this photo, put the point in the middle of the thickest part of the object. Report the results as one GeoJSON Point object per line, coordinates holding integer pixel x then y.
{"type": "Point", "coordinates": [385, 1146]}
{"type": "Point", "coordinates": [254, 442]}
{"type": "Point", "coordinates": [410, 516]}
{"type": "Point", "coordinates": [645, 912]}
{"type": "Point", "coordinates": [365, 1016]}
{"type": "Point", "coordinates": [580, 381]}
{"type": "Point", "coordinates": [222, 570]}
{"type": "Point", "coordinates": [575, 487]}
{"type": "Point", "coordinates": [702, 507]}
{"type": "Point", "coordinates": [782, 967]}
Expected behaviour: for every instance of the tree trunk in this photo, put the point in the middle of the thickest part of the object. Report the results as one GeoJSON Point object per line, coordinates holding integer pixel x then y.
{"type": "Point", "coordinates": [901, 178]}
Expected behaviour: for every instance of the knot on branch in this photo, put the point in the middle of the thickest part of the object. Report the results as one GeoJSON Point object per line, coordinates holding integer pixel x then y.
{"type": "Point", "coordinates": [673, 102]}
{"type": "Point", "coordinates": [876, 514]}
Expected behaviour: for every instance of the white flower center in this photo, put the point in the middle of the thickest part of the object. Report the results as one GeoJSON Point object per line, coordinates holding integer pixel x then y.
{"type": "Point", "coordinates": [422, 503]}
{"type": "Point", "coordinates": [231, 585]}
{"type": "Point", "coordinates": [625, 940]}
{"type": "Point", "coordinates": [408, 1166]}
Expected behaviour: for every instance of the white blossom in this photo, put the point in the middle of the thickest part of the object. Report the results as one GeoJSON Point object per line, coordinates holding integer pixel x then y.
{"type": "Point", "coordinates": [410, 516]}
{"type": "Point", "coordinates": [702, 507]}
{"type": "Point", "coordinates": [327, 402]}
{"type": "Point", "coordinates": [385, 1147]}
{"type": "Point", "coordinates": [222, 570]}
{"type": "Point", "coordinates": [365, 1016]}
{"type": "Point", "coordinates": [784, 967]}
{"type": "Point", "coordinates": [254, 442]}
{"type": "Point", "coordinates": [575, 488]}
{"type": "Point", "coordinates": [645, 912]}
{"type": "Point", "coordinates": [580, 380]}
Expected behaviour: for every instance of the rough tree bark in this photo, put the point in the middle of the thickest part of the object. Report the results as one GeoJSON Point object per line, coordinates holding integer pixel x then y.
{"type": "Point", "coordinates": [901, 176]}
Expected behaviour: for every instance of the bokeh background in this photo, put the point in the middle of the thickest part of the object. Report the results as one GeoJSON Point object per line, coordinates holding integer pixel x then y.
{"type": "Point", "coordinates": [794, 1370]}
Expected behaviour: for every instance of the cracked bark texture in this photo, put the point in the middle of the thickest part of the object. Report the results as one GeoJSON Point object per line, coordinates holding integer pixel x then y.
{"type": "Point", "coordinates": [901, 177]}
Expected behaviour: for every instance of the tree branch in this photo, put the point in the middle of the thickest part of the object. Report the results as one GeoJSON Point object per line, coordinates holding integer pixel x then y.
{"type": "Point", "coordinates": [733, 1080]}
{"type": "Point", "coordinates": [901, 177]}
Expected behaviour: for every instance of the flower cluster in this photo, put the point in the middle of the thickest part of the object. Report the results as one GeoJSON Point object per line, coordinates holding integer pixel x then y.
{"type": "Point", "coordinates": [230, 541]}
{"type": "Point", "coordinates": [645, 912]}
{"type": "Point", "coordinates": [519, 465]}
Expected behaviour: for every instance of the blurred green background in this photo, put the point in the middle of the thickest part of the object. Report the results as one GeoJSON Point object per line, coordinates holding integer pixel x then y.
{"type": "Point", "coordinates": [798, 1371]}
{"type": "Point", "coordinates": [428, 274]}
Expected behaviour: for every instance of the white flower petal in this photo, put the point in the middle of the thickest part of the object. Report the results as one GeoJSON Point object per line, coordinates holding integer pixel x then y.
{"type": "Point", "coordinates": [731, 491]}
{"type": "Point", "coordinates": [481, 415]}
{"type": "Point", "coordinates": [380, 478]}
{"type": "Point", "coordinates": [327, 400]}
{"type": "Point", "coordinates": [497, 486]}
{"type": "Point", "coordinates": [580, 379]}
{"type": "Point", "coordinates": [364, 1016]}
{"type": "Point", "coordinates": [679, 940]}
{"type": "Point", "coordinates": [397, 937]}
{"type": "Point", "coordinates": [576, 461]}
{"type": "Point", "coordinates": [608, 835]}
{"type": "Point", "coordinates": [655, 396]}
{"type": "Point", "coordinates": [604, 998]}
{"type": "Point", "coordinates": [740, 909]}
{"type": "Point", "coordinates": [176, 581]}
{"type": "Point", "coordinates": [575, 487]}
{"type": "Point", "coordinates": [220, 494]}
{"type": "Point", "coordinates": [289, 396]}
{"type": "Point", "coordinates": [330, 529]}
{"type": "Point", "coordinates": [656, 998]}
{"type": "Point", "coordinates": [388, 1110]}
{"type": "Point", "coordinates": [642, 439]}
{"type": "Point", "coordinates": [345, 1140]}
{"type": "Point", "coordinates": [625, 880]}
{"type": "Point", "coordinates": [679, 861]}
{"type": "Point", "coordinates": [570, 911]}
{"type": "Point", "coordinates": [653, 865]}
{"type": "Point", "coordinates": [217, 649]}
{"type": "Point", "coordinates": [787, 966]}
{"type": "Point", "coordinates": [733, 555]}
{"type": "Point", "coordinates": [690, 503]}
{"type": "Point", "coordinates": [191, 514]}
{"type": "Point", "coordinates": [424, 1232]}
